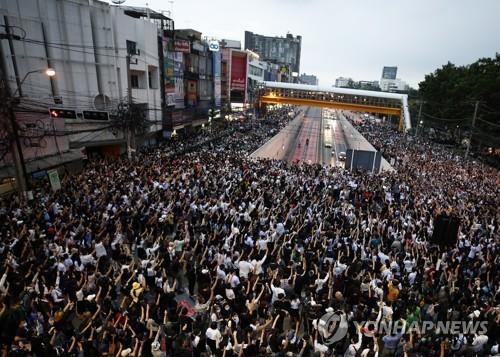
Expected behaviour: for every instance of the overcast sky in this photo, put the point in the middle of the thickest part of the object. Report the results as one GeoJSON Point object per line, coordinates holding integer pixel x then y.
{"type": "Point", "coordinates": [354, 38]}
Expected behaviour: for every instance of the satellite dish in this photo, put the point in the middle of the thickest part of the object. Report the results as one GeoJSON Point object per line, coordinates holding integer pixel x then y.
{"type": "Point", "coordinates": [118, 2]}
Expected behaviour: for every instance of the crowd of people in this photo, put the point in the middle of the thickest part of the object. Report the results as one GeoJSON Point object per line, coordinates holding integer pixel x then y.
{"type": "Point", "coordinates": [196, 249]}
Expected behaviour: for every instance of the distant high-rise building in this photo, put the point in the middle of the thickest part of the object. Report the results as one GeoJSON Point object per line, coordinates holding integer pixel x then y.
{"type": "Point", "coordinates": [284, 51]}
{"type": "Point", "coordinates": [308, 79]}
{"type": "Point", "coordinates": [389, 72]}
{"type": "Point", "coordinates": [342, 82]}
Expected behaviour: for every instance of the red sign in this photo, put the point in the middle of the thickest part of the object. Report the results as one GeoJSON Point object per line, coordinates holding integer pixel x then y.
{"type": "Point", "coordinates": [181, 46]}
{"type": "Point", "coordinates": [238, 71]}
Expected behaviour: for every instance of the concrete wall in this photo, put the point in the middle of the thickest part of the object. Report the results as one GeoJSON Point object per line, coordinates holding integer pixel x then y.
{"type": "Point", "coordinates": [279, 145]}
{"type": "Point", "coordinates": [144, 33]}
{"type": "Point", "coordinates": [86, 45]}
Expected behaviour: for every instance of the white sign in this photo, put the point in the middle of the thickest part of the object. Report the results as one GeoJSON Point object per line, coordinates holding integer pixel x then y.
{"type": "Point", "coordinates": [213, 46]}
{"type": "Point", "coordinates": [54, 180]}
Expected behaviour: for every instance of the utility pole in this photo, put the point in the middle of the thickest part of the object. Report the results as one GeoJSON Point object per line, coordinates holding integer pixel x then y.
{"type": "Point", "coordinates": [13, 55]}
{"type": "Point", "coordinates": [128, 125]}
{"type": "Point", "coordinates": [476, 107]}
{"type": "Point", "coordinates": [15, 143]}
{"type": "Point", "coordinates": [419, 117]}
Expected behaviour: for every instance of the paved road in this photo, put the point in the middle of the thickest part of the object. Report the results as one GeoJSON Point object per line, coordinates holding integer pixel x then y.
{"type": "Point", "coordinates": [307, 143]}
{"type": "Point", "coordinates": [332, 133]}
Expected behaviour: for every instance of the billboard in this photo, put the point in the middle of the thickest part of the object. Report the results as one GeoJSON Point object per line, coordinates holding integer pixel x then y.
{"type": "Point", "coordinates": [389, 72]}
{"type": "Point", "coordinates": [216, 63]}
{"type": "Point", "coordinates": [238, 71]}
{"type": "Point", "coordinates": [182, 46]}
{"type": "Point", "coordinates": [179, 79]}
{"type": "Point", "coordinates": [168, 72]}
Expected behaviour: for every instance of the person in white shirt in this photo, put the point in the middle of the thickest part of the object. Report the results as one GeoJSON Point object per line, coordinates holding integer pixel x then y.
{"type": "Point", "coordinates": [257, 264]}
{"type": "Point", "coordinates": [321, 282]}
{"type": "Point", "coordinates": [245, 268]}
{"type": "Point", "coordinates": [355, 344]}
{"type": "Point", "coordinates": [214, 337]}
{"type": "Point", "coordinates": [479, 342]}
{"type": "Point", "coordinates": [276, 291]}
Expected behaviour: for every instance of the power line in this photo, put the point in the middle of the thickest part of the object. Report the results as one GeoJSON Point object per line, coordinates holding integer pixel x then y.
{"type": "Point", "coordinates": [488, 122]}
{"type": "Point", "coordinates": [443, 119]}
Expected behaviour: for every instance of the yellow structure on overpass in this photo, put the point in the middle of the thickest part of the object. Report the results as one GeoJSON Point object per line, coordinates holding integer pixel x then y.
{"type": "Point", "coordinates": [337, 98]}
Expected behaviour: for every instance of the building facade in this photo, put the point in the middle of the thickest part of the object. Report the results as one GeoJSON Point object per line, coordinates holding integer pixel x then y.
{"type": "Point", "coordinates": [342, 82]}
{"type": "Point", "coordinates": [308, 79]}
{"type": "Point", "coordinates": [100, 54]}
{"type": "Point", "coordinates": [389, 72]}
{"type": "Point", "coordinates": [283, 51]}
{"type": "Point", "coordinates": [192, 80]}
{"type": "Point", "coordinates": [389, 81]}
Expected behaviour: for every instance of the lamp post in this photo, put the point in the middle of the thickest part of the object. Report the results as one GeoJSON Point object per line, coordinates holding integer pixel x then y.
{"type": "Point", "coordinates": [49, 72]}
{"type": "Point", "coordinates": [420, 123]}
{"type": "Point", "coordinates": [17, 149]}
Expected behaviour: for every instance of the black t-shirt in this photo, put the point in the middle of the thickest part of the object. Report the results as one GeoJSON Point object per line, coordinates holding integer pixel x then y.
{"type": "Point", "coordinates": [251, 350]}
{"type": "Point", "coordinates": [300, 281]}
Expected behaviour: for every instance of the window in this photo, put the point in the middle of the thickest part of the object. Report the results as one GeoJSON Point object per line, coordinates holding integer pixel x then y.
{"type": "Point", "coordinates": [153, 77]}
{"type": "Point", "coordinates": [131, 47]}
{"type": "Point", "coordinates": [134, 80]}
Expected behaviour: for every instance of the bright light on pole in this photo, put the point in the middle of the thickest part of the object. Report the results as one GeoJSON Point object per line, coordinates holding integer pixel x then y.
{"type": "Point", "coordinates": [50, 72]}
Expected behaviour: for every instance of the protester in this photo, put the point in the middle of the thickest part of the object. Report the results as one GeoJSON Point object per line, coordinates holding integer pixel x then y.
{"type": "Point", "coordinates": [194, 248]}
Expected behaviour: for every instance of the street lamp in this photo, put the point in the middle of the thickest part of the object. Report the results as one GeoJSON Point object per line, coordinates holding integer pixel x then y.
{"type": "Point", "coordinates": [49, 72]}
{"type": "Point", "coordinates": [420, 123]}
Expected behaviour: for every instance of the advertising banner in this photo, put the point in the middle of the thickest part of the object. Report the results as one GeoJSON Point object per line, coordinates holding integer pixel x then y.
{"type": "Point", "coordinates": [182, 46]}
{"type": "Point", "coordinates": [168, 72]}
{"type": "Point", "coordinates": [238, 71]}
{"type": "Point", "coordinates": [216, 64]}
{"type": "Point", "coordinates": [179, 79]}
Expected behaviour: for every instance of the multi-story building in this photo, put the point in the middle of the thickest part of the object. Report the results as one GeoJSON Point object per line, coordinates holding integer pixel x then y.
{"type": "Point", "coordinates": [342, 82]}
{"type": "Point", "coordinates": [284, 51]}
{"type": "Point", "coordinates": [310, 79]}
{"type": "Point", "coordinates": [389, 82]}
{"type": "Point", "coordinates": [393, 85]}
{"type": "Point", "coordinates": [100, 54]}
{"type": "Point", "coordinates": [389, 72]}
{"type": "Point", "coordinates": [192, 81]}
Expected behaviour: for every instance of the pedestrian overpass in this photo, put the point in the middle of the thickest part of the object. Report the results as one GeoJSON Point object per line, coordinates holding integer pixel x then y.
{"type": "Point", "coordinates": [337, 98]}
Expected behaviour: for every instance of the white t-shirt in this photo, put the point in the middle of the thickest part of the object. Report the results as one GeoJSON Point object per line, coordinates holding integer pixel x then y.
{"type": "Point", "coordinates": [214, 335]}
{"type": "Point", "coordinates": [245, 268]}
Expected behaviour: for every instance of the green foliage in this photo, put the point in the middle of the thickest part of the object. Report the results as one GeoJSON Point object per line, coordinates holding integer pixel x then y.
{"type": "Point", "coordinates": [450, 92]}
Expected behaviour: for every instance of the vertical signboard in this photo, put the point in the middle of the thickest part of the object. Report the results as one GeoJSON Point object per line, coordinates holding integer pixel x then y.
{"type": "Point", "coordinates": [238, 71]}
{"type": "Point", "coordinates": [216, 63]}
{"type": "Point", "coordinates": [238, 81]}
{"type": "Point", "coordinates": [179, 79]}
{"type": "Point", "coordinates": [168, 71]}
{"type": "Point", "coordinates": [55, 183]}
